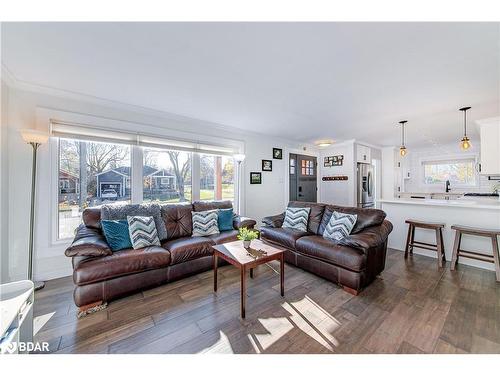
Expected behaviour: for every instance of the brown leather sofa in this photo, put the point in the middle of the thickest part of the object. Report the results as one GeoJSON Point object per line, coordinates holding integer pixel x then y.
{"type": "Point", "coordinates": [101, 275]}
{"type": "Point", "coordinates": [354, 262]}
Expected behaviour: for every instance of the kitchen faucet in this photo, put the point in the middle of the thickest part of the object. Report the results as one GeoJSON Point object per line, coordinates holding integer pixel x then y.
{"type": "Point", "coordinates": [447, 185]}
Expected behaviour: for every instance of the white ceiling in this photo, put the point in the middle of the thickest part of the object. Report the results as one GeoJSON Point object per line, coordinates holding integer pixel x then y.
{"type": "Point", "coordinates": [302, 81]}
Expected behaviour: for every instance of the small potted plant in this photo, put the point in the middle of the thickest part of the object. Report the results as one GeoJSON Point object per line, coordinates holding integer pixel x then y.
{"type": "Point", "coordinates": [247, 235]}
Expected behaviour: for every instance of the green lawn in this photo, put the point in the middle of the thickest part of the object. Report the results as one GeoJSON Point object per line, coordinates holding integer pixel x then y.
{"type": "Point", "coordinates": [205, 194]}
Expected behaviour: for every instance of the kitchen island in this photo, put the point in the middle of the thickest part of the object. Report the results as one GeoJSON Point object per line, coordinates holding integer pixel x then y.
{"type": "Point", "coordinates": [481, 213]}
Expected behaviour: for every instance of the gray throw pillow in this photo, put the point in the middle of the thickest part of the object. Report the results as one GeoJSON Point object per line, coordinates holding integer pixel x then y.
{"type": "Point", "coordinates": [339, 226]}
{"type": "Point", "coordinates": [296, 218]}
{"type": "Point", "coordinates": [205, 223]}
{"type": "Point", "coordinates": [142, 231]}
{"type": "Point", "coordinates": [122, 211]}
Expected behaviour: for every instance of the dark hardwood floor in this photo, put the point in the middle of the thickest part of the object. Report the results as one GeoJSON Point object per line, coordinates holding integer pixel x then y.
{"type": "Point", "coordinates": [413, 307]}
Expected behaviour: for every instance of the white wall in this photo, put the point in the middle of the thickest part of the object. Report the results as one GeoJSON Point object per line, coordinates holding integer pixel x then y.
{"type": "Point", "coordinates": [388, 172]}
{"type": "Point", "coordinates": [4, 222]}
{"type": "Point", "coordinates": [339, 192]}
{"type": "Point", "coordinates": [258, 200]}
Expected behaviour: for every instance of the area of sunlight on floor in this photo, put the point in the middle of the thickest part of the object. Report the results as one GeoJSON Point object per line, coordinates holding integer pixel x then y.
{"type": "Point", "coordinates": [305, 315]}
{"type": "Point", "coordinates": [223, 345]}
{"type": "Point", "coordinates": [40, 321]}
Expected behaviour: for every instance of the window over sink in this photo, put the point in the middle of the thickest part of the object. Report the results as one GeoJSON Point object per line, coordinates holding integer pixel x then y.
{"type": "Point", "coordinates": [460, 172]}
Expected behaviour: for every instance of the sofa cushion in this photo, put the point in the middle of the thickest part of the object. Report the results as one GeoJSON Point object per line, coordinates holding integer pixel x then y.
{"type": "Point", "coordinates": [120, 211]}
{"type": "Point", "coordinates": [224, 236]}
{"type": "Point", "coordinates": [315, 214]}
{"type": "Point", "coordinates": [120, 263]}
{"type": "Point", "coordinates": [296, 218]}
{"type": "Point", "coordinates": [88, 242]}
{"type": "Point", "coordinates": [210, 205]}
{"type": "Point", "coordinates": [327, 251]}
{"type": "Point", "coordinates": [366, 217]}
{"type": "Point", "coordinates": [282, 236]}
{"type": "Point", "coordinates": [188, 248]}
{"type": "Point", "coordinates": [177, 220]}
{"type": "Point", "coordinates": [92, 217]}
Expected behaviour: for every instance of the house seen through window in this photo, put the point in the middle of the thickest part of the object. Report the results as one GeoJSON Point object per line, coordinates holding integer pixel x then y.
{"type": "Point", "coordinates": [90, 174]}
{"type": "Point", "coordinates": [166, 175]}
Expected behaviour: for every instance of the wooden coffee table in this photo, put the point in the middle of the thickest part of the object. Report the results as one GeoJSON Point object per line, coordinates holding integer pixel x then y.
{"type": "Point", "coordinates": [238, 256]}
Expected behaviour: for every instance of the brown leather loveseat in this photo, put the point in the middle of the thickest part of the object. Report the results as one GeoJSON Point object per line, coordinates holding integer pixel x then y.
{"type": "Point", "coordinates": [101, 275]}
{"type": "Point", "coordinates": [354, 262]}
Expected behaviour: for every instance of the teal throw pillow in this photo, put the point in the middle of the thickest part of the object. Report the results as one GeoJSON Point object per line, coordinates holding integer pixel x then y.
{"type": "Point", "coordinates": [117, 234]}
{"type": "Point", "coordinates": [225, 219]}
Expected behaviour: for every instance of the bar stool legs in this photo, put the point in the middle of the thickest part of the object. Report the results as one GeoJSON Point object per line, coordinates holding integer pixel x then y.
{"type": "Point", "coordinates": [438, 247]}
{"type": "Point", "coordinates": [458, 251]}
{"type": "Point", "coordinates": [496, 255]}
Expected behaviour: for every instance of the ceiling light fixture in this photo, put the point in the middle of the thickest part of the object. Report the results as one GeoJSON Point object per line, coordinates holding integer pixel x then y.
{"type": "Point", "coordinates": [402, 149]}
{"type": "Point", "coordinates": [324, 143]}
{"type": "Point", "coordinates": [465, 142]}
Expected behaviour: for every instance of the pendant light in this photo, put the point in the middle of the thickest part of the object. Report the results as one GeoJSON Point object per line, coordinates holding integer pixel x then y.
{"type": "Point", "coordinates": [465, 142]}
{"type": "Point", "coordinates": [402, 149]}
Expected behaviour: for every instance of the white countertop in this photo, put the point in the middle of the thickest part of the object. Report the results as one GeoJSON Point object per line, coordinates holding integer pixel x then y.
{"type": "Point", "coordinates": [489, 204]}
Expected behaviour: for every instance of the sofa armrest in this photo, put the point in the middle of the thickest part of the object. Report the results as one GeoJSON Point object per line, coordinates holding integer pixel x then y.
{"type": "Point", "coordinates": [275, 221]}
{"type": "Point", "coordinates": [369, 237]}
{"type": "Point", "coordinates": [88, 242]}
{"type": "Point", "coordinates": [243, 222]}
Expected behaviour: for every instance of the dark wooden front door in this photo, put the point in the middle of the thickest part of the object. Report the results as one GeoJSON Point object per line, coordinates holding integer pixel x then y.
{"type": "Point", "coordinates": [303, 178]}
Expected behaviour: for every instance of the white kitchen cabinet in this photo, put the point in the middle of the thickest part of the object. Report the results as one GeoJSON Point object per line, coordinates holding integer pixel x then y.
{"type": "Point", "coordinates": [363, 154]}
{"type": "Point", "coordinates": [489, 131]}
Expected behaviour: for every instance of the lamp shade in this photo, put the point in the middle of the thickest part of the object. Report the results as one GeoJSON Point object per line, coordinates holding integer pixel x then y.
{"type": "Point", "coordinates": [34, 136]}
{"type": "Point", "coordinates": [239, 157]}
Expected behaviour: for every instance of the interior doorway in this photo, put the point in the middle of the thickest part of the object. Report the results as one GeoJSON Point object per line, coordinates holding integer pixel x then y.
{"type": "Point", "coordinates": [303, 172]}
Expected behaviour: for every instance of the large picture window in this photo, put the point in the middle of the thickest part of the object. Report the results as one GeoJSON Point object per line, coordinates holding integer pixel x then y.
{"type": "Point", "coordinates": [98, 169]}
{"type": "Point", "coordinates": [166, 175]}
{"type": "Point", "coordinates": [458, 172]}
{"type": "Point", "coordinates": [90, 174]}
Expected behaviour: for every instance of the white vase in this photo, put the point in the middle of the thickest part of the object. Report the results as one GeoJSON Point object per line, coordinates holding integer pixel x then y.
{"type": "Point", "coordinates": [246, 244]}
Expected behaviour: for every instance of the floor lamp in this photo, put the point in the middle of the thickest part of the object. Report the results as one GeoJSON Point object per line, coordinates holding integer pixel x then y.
{"type": "Point", "coordinates": [239, 159]}
{"type": "Point", "coordinates": [35, 138]}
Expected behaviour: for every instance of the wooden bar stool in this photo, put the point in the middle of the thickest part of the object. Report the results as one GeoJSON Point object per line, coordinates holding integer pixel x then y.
{"type": "Point", "coordinates": [438, 247]}
{"type": "Point", "coordinates": [457, 251]}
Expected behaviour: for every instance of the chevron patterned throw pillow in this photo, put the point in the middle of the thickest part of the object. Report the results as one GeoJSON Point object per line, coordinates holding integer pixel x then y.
{"type": "Point", "coordinates": [296, 218]}
{"type": "Point", "coordinates": [339, 226]}
{"type": "Point", "coordinates": [142, 231]}
{"type": "Point", "coordinates": [205, 223]}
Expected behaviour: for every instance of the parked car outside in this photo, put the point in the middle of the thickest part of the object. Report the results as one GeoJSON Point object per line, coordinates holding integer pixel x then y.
{"type": "Point", "coordinates": [109, 194]}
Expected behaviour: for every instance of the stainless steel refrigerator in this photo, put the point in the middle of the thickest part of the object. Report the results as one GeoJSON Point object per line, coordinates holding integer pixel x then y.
{"type": "Point", "coordinates": [366, 186]}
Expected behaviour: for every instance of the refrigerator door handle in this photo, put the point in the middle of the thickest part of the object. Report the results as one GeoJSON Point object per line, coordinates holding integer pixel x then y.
{"type": "Point", "coordinates": [369, 184]}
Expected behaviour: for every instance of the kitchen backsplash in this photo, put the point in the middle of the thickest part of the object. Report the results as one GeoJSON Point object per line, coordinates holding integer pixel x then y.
{"type": "Point", "coordinates": [416, 183]}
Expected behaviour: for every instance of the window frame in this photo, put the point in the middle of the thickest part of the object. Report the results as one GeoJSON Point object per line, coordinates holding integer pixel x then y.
{"type": "Point", "coordinates": [449, 158]}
